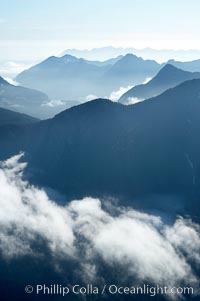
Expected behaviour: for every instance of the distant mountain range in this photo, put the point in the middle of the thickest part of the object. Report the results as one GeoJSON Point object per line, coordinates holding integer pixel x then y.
{"type": "Point", "coordinates": [160, 55]}
{"type": "Point", "coordinates": [100, 148]}
{"type": "Point", "coordinates": [168, 77]}
{"type": "Point", "coordinates": [68, 77]}
{"type": "Point", "coordinates": [192, 66]}
{"type": "Point", "coordinates": [71, 78]}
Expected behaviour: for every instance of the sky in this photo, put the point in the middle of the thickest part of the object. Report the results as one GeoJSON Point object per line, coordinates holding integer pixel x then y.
{"type": "Point", "coordinates": [30, 31]}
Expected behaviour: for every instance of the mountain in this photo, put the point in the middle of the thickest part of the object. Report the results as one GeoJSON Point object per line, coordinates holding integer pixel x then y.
{"type": "Point", "coordinates": [147, 153]}
{"type": "Point", "coordinates": [23, 100]}
{"type": "Point", "coordinates": [131, 70]}
{"type": "Point", "coordinates": [160, 55]}
{"type": "Point", "coordinates": [69, 77]}
{"type": "Point", "coordinates": [64, 77]}
{"type": "Point", "coordinates": [8, 117]}
{"type": "Point", "coordinates": [168, 77]}
{"type": "Point", "coordinates": [111, 61]}
{"type": "Point", "coordinates": [192, 66]}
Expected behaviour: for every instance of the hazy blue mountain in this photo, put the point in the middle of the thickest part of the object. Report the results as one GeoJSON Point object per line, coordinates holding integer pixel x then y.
{"type": "Point", "coordinates": [22, 99]}
{"type": "Point", "coordinates": [100, 148]}
{"type": "Point", "coordinates": [192, 66]}
{"type": "Point", "coordinates": [160, 55]}
{"type": "Point", "coordinates": [68, 77]}
{"type": "Point", "coordinates": [168, 77]}
{"type": "Point", "coordinates": [130, 70]}
{"type": "Point", "coordinates": [111, 61]}
{"type": "Point", "coordinates": [100, 54]}
{"type": "Point", "coordinates": [8, 117]}
{"type": "Point", "coordinates": [64, 77]}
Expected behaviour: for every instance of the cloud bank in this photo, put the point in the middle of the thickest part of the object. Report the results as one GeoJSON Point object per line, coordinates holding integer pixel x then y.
{"type": "Point", "coordinates": [139, 244]}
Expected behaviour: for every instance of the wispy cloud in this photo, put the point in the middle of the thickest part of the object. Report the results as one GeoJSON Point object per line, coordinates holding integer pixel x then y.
{"type": "Point", "coordinates": [147, 80]}
{"type": "Point", "coordinates": [11, 69]}
{"type": "Point", "coordinates": [54, 103]}
{"type": "Point", "coordinates": [140, 244]}
{"type": "Point", "coordinates": [90, 97]}
{"type": "Point", "coordinates": [11, 81]}
{"type": "Point", "coordinates": [115, 95]}
{"type": "Point", "coordinates": [133, 100]}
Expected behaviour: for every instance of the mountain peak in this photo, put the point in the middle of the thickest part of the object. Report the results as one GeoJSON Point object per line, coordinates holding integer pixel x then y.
{"type": "Point", "coordinates": [170, 70]}
{"type": "Point", "coordinates": [170, 61]}
{"type": "Point", "coordinates": [50, 58]}
{"type": "Point", "coordinates": [100, 100]}
{"type": "Point", "coordinates": [130, 56]}
{"type": "Point", "coordinates": [168, 77]}
{"type": "Point", "coordinates": [67, 58]}
{"type": "Point", "coordinates": [169, 66]}
{"type": "Point", "coordinates": [89, 108]}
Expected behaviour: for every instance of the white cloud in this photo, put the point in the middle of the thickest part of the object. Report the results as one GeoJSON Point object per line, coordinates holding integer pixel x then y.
{"type": "Point", "coordinates": [11, 69]}
{"type": "Point", "coordinates": [140, 244]}
{"type": "Point", "coordinates": [11, 81]}
{"type": "Point", "coordinates": [26, 217]}
{"type": "Point", "coordinates": [90, 97]}
{"type": "Point", "coordinates": [145, 252]}
{"type": "Point", "coordinates": [185, 236]}
{"type": "Point", "coordinates": [133, 100]}
{"type": "Point", "coordinates": [54, 103]}
{"type": "Point", "coordinates": [115, 95]}
{"type": "Point", "coordinates": [147, 80]}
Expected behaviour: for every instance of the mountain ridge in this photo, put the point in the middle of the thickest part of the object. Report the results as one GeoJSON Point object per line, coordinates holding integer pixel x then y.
{"type": "Point", "coordinates": [104, 148]}
{"type": "Point", "coordinates": [168, 77]}
{"type": "Point", "coordinates": [67, 73]}
{"type": "Point", "coordinates": [8, 117]}
{"type": "Point", "coordinates": [191, 66]}
{"type": "Point", "coordinates": [22, 99]}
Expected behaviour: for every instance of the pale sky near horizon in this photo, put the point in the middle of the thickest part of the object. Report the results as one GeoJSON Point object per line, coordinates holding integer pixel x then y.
{"type": "Point", "coordinates": [35, 29]}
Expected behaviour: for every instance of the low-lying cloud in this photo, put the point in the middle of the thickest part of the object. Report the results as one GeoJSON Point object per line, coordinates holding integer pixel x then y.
{"type": "Point", "coordinates": [11, 81]}
{"type": "Point", "coordinates": [142, 245]}
{"type": "Point", "coordinates": [54, 103]}
{"type": "Point", "coordinates": [90, 97]}
{"type": "Point", "coordinates": [133, 100]}
{"type": "Point", "coordinates": [115, 95]}
{"type": "Point", "coordinates": [10, 69]}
